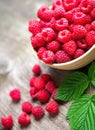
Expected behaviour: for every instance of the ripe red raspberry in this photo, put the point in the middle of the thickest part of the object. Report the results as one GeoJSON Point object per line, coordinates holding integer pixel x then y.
{"type": "Point", "coordinates": [59, 12]}
{"type": "Point", "coordinates": [52, 107]}
{"type": "Point", "coordinates": [24, 119]}
{"type": "Point", "coordinates": [86, 6]}
{"type": "Point", "coordinates": [45, 14]}
{"type": "Point", "coordinates": [40, 52]}
{"type": "Point", "coordinates": [78, 53]}
{"type": "Point", "coordinates": [70, 47]}
{"type": "Point", "coordinates": [90, 38]}
{"type": "Point", "coordinates": [26, 107]}
{"type": "Point", "coordinates": [64, 36]}
{"type": "Point", "coordinates": [61, 24]}
{"type": "Point", "coordinates": [53, 46]}
{"type": "Point", "coordinates": [82, 44]}
{"type": "Point", "coordinates": [54, 93]}
{"type": "Point", "coordinates": [34, 26]}
{"type": "Point", "coordinates": [43, 96]}
{"type": "Point", "coordinates": [56, 4]}
{"type": "Point", "coordinates": [39, 83]}
{"type": "Point", "coordinates": [89, 19]}
{"type": "Point", "coordinates": [36, 69]}
{"type": "Point", "coordinates": [79, 18]}
{"type": "Point", "coordinates": [7, 122]}
{"type": "Point", "coordinates": [34, 42]}
{"type": "Point", "coordinates": [38, 112]}
{"type": "Point", "coordinates": [88, 27]}
{"type": "Point", "coordinates": [79, 32]}
{"type": "Point", "coordinates": [15, 94]}
{"type": "Point", "coordinates": [93, 13]}
{"type": "Point", "coordinates": [48, 57]}
{"type": "Point", "coordinates": [51, 23]}
{"type": "Point", "coordinates": [62, 56]}
{"type": "Point", "coordinates": [32, 81]}
{"type": "Point", "coordinates": [70, 4]}
{"type": "Point", "coordinates": [48, 34]}
{"type": "Point", "coordinates": [33, 93]}
{"type": "Point", "coordinates": [93, 25]}
{"type": "Point", "coordinates": [50, 86]}
{"type": "Point", "coordinates": [46, 77]}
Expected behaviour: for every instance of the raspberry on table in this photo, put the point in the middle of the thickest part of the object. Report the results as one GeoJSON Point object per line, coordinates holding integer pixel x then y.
{"type": "Point", "coordinates": [70, 47]}
{"type": "Point", "coordinates": [38, 112]}
{"type": "Point", "coordinates": [56, 4]}
{"type": "Point", "coordinates": [61, 24]}
{"type": "Point", "coordinates": [48, 34]}
{"type": "Point", "coordinates": [15, 94]}
{"type": "Point", "coordinates": [7, 122]}
{"type": "Point", "coordinates": [36, 69]}
{"type": "Point", "coordinates": [90, 38]}
{"type": "Point", "coordinates": [82, 44]}
{"type": "Point", "coordinates": [61, 56]}
{"type": "Point", "coordinates": [59, 12]}
{"type": "Point", "coordinates": [50, 86]}
{"type": "Point", "coordinates": [27, 107]}
{"type": "Point", "coordinates": [48, 57]}
{"type": "Point", "coordinates": [54, 93]}
{"type": "Point", "coordinates": [40, 52]}
{"type": "Point", "coordinates": [34, 26]}
{"type": "Point", "coordinates": [43, 96]}
{"type": "Point", "coordinates": [64, 36]}
{"type": "Point", "coordinates": [52, 107]}
{"type": "Point", "coordinates": [53, 46]}
{"type": "Point", "coordinates": [78, 53]}
{"type": "Point", "coordinates": [46, 77]}
{"type": "Point", "coordinates": [32, 81]}
{"type": "Point", "coordinates": [24, 119]}
{"type": "Point", "coordinates": [33, 93]}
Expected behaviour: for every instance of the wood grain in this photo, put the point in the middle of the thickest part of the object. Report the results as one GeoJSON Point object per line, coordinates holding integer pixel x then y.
{"type": "Point", "coordinates": [14, 42]}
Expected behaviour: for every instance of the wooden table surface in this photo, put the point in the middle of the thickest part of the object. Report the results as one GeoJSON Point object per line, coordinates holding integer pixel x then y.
{"type": "Point", "coordinates": [14, 42]}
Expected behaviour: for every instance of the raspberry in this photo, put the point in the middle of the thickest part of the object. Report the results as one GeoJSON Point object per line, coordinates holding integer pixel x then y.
{"type": "Point", "coordinates": [32, 92]}
{"type": "Point", "coordinates": [78, 53]}
{"type": "Point", "coordinates": [48, 57]}
{"type": "Point", "coordinates": [32, 81]}
{"type": "Point", "coordinates": [93, 25]}
{"type": "Point", "coordinates": [88, 27]}
{"type": "Point", "coordinates": [56, 4]}
{"type": "Point", "coordinates": [88, 19]}
{"type": "Point", "coordinates": [53, 46]}
{"type": "Point", "coordinates": [70, 47]}
{"type": "Point", "coordinates": [43, 96]}
{"type": "Point", "coordinates": [24, 119]}
{"type": "Point", "coordinates": [64, 36]}
{"type": "Point", "coordinates": [61, 24]}
{"type": "Point", "coordinates": [93, 13]}
{"type": "Point", "coordinates": [34, 26]}
{"type": "Point", "coordinates": [79, 32]}
{"type": "Point", "coordinates": [79, 18]}
{"type": "Point", "coordinates": [59, 12]}
{"type": "Point", "coordinates": [54, 93]}
{"type": "Point", "coordinates": [43, 24]}
{"type": "Point", "coordinates": [50, 86]}
{"type": "Point", "coordinates": [52, 107]}
{"type": "Point", "coordinates": [34, 42]}
{"type": "Point", "coordinates": [40, 52]}
{"type": "Point", "coordinates": [82, 44]}
{"type": "Point", "coordinates": [7, 122]}
{"type": "Point", "coordinates": [48, 34]}
{"type": "Point", "coordinates": [37, 112]}
{"type": "Point", "coordinates": [45, 14]}
{"type": "Point", "coordinates": [51, 23]}
{"type": "Point", "coordinates": [90, 38]}
{"type": "Point", "coordinates": [26, 107]}
{"type": "Point", "coordinates": [86, 6]}
{"type": "Point", "coordinates": [39, 83]}
{"type": "Point", "coordinates": [70, 4]}
{"type": "Point", "coordinates": [46, 77]}
{"type": "Point", "coordinates": [36, 69]}
{"type": "Point", "coordinates": [62, 57]}
{"type": "Point", "coordinates": [15, 94]}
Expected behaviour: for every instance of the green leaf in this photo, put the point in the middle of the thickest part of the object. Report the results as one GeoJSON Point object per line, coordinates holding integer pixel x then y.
{"type": "Point", "coordinates": [81, 114]}
{"type": "Point", "coordinates": [91, 73]}
{"type": "Point", "coordinates": [73, 86]}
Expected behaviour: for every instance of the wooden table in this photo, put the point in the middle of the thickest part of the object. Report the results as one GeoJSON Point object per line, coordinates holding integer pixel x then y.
{"type": "Point", "coordinates": [14, 42]}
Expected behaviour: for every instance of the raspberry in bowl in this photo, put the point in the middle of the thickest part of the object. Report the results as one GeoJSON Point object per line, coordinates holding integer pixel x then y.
{"type": "Point", "coordinates": [63, 36]}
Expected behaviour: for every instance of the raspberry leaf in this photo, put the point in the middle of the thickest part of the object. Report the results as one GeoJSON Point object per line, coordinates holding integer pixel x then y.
{"type": "Point", "coordinates": [73, 86]}
{"type": "Point", "coordinates": [81, 114]}
{"type": "Point", "coordinates": [91, 73]}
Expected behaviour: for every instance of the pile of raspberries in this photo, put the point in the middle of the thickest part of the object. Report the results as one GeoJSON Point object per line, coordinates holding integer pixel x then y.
{"type": "Point", "coordinates": [42, 88]}
{"type": "Point", "coordinates": [63, 32]}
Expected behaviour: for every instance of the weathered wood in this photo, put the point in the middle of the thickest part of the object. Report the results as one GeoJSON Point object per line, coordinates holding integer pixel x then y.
{"type": "Point", "coordinates": [14, 42]}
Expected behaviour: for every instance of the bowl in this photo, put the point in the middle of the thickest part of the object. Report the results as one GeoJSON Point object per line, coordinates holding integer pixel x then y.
{"type": "Point", "coordinates": [77, 63]}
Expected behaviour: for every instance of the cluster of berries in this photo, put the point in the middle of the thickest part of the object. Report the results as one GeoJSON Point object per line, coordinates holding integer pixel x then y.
{"type": "Point", "coordinates": [63, 32]}
{"type": "Point", "coordinates": [41, 88]}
